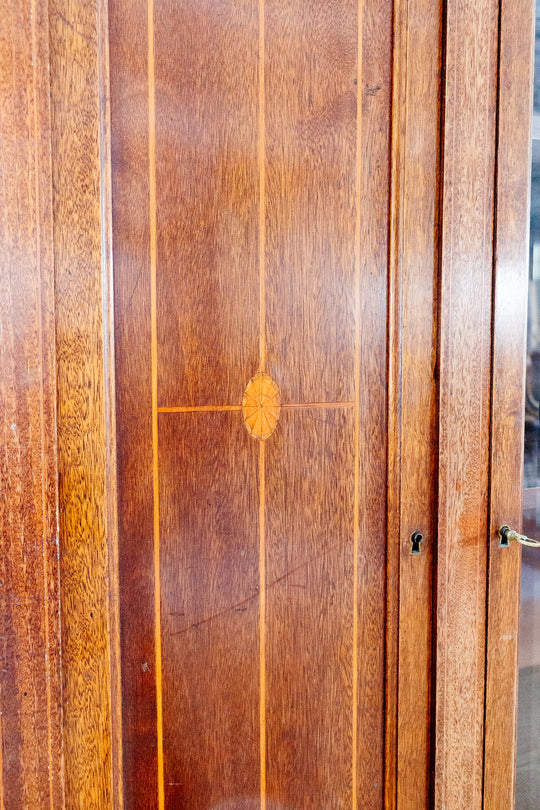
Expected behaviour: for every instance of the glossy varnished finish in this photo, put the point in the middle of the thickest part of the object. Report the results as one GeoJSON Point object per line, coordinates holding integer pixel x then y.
{"type": "Point", "coordinates": [86, 443]}
{"type": "Point", "coordinates": [309, 617]}
{"type": "Point", "coordinates": [207, 196]}
{"type": "Point", "coordinates": [464, 335]}
{"type": "Point", "coordinates": [250, 222]}
{"type": "Point", "coordinates": [209, 539]}
{"type": "Point", "coordinates": [509, 350]}
{"type": "Point", "coordinates": [30, 706]}
{"type": "Point", "coordinates": [275, 627]}
{"type": "Point", "coordinates": [310, 112]}
{"type": "Point", "coordinates": [413, 391]}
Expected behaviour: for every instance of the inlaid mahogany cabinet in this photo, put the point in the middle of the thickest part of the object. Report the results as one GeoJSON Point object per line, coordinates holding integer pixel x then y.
{"type": "Point", "coordinates": [263, 314]}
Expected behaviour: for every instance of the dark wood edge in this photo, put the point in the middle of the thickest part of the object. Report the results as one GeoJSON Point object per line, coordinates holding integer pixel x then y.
{"type": "Point", "coordinates": [512, 190]}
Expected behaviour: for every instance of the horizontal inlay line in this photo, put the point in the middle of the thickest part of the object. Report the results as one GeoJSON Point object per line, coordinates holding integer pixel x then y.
{"type": "Point", "coordinates": [297, 406]}
{"type": "Point", "coordinates": [200, 408]}
{"type": "Point", "coordinates": [218, 408]}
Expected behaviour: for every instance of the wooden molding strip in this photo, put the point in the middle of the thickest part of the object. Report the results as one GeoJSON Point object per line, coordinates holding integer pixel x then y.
{"type": "Point", "coordinates": [511, 259]}
{"type": "Point", "coordinates": [470, 73]}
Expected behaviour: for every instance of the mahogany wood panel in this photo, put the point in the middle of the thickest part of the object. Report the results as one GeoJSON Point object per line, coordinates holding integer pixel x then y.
{"type": "Point", "coordinates": [86, 442]}
{"type": "Point", "coordinates": [207, 198]}
{"type": "Point", "coordinates": [413, 388]}
{"type": "Point", "coordinates": [209, 537]}
{"type": "Point", "coordinates": [149, 235]}
{"type": "Point", "coordinates": [30, 704]}
{"type": "Point", "coordinates": [310, 112]}
{"type": "Point", "coordinates": [509, 348]}
{"type": "Point", "coordinates": [309, 613]}
{"type": "Point", "coordinates": [132, 301]}
{"type": "Point", "coordinates": [464, 333]}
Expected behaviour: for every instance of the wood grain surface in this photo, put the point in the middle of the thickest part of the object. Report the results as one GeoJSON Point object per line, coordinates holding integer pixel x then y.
{"type": "Point", "coordinates": [309, 609]}
{"type": "Point", "coordinates": [509, 350]}
{"type": "Point", "coordinates": [273, 206]}
{"type": "Point", "coordinates": [207, 197]}
{"type": "Point", "coordinates": [251, 216]}
{"type": "Point", "coordinates": [412, 402]}
{"type": "Point", "coordinates": [30, 703]}
{"type": "Point", "coordinates": [464, 334]}
{"type": "Point", "coordinates": [310, 113]}
{"type": "Point", "coordinates": [86, 442]}
{"type": "Point", "coordinates": [209, 537]}
{"type": "Point", "coordinates": [371, 260]}
{"type": "Point", "coordinates": [132, 294]}
{"type": "Point", "coordinates": [304, 282]}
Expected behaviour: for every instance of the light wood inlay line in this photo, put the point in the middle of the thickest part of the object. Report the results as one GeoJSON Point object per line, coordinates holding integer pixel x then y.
{"type": "Point", "coordinates": [262, 621]}
{"type": "Point", "coordinates": [322, 405]}
{"type": "Point", "coordinates": [200, 409]}
{"type": "Point", "coordinates": [155, 458]}
{"type": "Point", "coordinates": [261, 159]}
{"type": "Point", "coordinates": [286, 406]}
{"type": "Point", "coordinates": [41, 411]}
{"type": "Point", "coordinates": [356, 507]}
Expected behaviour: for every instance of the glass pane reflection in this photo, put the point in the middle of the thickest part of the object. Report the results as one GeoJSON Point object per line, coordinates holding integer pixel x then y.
{"type": "Point", "coordinates": [528, 739]}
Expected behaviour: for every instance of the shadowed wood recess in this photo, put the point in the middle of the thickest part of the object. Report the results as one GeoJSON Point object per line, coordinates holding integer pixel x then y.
{"type": "Point", "coordinates": [30, 695]}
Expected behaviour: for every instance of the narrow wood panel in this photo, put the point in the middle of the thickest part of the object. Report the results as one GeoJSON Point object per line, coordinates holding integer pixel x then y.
{"type": "Point", "coordinates": [30, 706]}
{"type": "Point", "coordinates": [372, 251]}
{"type": "Point", "coordinates": [413, 392]}
{"type": "Point", "coordinates": [509, 345]}
{"type": "Point", "coordinates": [131, 249]}
{"type": "Point", "coordinates": [309, 614]}
{"type": "Point", "coordinates": [207, 199]}
{"type": "Point", "coordinates": [209, 554]}
{"type": "Point", "coordinates": [465, 320]}
{"type": "Point", "coordinates": [310, 108]}
{"type": "Point", "coordinates": [85, 433]}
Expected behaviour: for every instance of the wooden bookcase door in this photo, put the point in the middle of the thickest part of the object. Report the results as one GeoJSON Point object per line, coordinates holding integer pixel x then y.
{"type": "Point", "coordinates": [334, 196]}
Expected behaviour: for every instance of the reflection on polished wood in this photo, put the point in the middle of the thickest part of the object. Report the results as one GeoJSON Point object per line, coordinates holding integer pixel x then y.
{"type": "Point", "coordinates": [31, 735]}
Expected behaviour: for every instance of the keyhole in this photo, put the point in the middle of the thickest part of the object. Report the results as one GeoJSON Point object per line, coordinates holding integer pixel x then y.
{"type": "Point", "coordinates": [503, 536]}
{"type": "Point", "coordinates": [416, 539]}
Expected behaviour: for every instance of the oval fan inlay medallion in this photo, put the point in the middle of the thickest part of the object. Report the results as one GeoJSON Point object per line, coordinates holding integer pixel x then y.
{"type": "Point", "coordinates": [261, 405]}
